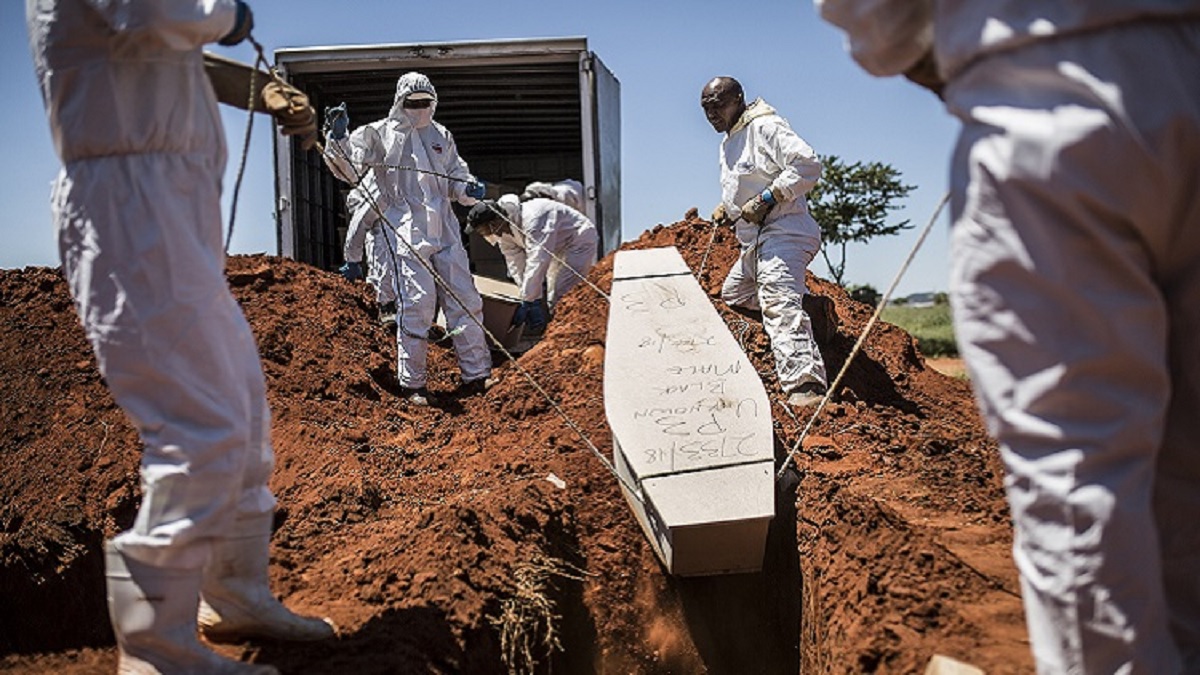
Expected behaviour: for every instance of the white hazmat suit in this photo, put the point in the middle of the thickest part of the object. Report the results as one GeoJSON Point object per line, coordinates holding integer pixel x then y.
{"type": "Point", "coordinates": [418, 170]}
{"type": "Point", "coordinates": [368, 233]}
{"type": "Point", "coordinates": [548, 249]}
{"type": "Point", "coordinates": [137, 213]}
{"type": "Point", "coordinates": [762, 152]}
{"type": "Point", "coordinates": [1075, 284]}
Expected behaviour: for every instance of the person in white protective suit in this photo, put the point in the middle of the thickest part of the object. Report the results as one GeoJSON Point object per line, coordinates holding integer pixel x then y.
{"type": "Point", "coordinates": [1075, 285]}
{"type": "Point", "coordinates": [567, 191]}
{"type": "Point", "coordinates": [368, 232]}
{"type": "Point", "coordinates": [136, 208]}
{"type": "Point", "coordinates": [419, 173]}
{"type": "Point", "coordinates": [548, 249]}
{"type": "Point", "coordinates": [766, 169]}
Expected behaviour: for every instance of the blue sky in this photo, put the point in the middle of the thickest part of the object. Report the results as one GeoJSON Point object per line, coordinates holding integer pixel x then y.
{"type": "Point", "coordinates": [662, 53]}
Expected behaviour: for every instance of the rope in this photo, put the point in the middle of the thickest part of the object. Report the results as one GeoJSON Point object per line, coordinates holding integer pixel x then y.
{"type": "Point", "coordinates": [704, 261]}
{"type": "Point", "coordinates": [863, 337]}
{"type": "Point", "coordinates": [411, 168]}
{"type": "Point", "coordinates": [564, 263]}
{"type": "Point", "coordinates": [241, 172]}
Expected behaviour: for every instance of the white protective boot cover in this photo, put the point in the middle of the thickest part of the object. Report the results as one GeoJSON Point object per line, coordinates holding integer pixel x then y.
{"type": "Point", "coordinates": [236, 601]}
{"type": "Point", "coordinates": [153, 613]}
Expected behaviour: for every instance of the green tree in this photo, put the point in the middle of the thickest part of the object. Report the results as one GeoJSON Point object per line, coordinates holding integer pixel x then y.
{"type": "Point", "coordinates": [852, 202]}
{"type": "Point", "coordinates": [865, 293]}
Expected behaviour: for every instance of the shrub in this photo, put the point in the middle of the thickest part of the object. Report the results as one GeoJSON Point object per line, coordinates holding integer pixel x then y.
{"type": "Point", "coordinates": [931, 326]}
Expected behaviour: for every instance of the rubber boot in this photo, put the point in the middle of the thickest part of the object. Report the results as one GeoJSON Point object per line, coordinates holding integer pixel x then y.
{"type": "Point", "coordinates": [236, 601]}
{"type": "Point", "coordinates": [153, 613]}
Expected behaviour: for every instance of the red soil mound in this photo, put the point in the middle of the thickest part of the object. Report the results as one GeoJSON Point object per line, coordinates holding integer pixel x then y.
{"type": "Point", "coordinates": [434, 540]}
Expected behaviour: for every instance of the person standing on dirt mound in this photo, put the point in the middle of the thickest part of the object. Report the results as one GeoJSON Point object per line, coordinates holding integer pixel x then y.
{"type": "Point", "coordinates": [766, 169]}
{"type": "Point", "coordinates": [137, 211]}
{"type": "Point", "coordinates": [548, 248]}
{"type": "Point", "coordinates": [419, 172]}
{"type": "Point", "coordinates": [1075, 284]}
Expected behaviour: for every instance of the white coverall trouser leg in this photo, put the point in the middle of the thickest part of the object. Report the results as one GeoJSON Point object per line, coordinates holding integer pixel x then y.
{"type": "Point", "coordinates": [417, 305]}
{"type": "Point", "coordinates": [1076, 291]}
{"type": "Point", "coordinates": [140, 241]}
{"type": "Point", "coordinates": [770, 276]}
{"type": "Point", "coordinates": [381, 245]}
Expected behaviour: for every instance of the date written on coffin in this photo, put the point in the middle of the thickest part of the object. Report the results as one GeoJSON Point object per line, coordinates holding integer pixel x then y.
{"type": "Point", "coordinates": [703, 449]}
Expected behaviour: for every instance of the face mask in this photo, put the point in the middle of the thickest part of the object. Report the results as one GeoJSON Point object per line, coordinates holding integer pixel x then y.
{"type": "Point", "coordinates": [419, 118]}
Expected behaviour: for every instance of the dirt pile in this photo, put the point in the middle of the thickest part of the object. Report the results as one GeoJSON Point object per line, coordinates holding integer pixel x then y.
{"type": "Point", "coordinates": [439, 539]}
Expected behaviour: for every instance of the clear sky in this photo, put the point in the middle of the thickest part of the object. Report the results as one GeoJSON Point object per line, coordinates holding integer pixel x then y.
{"type": "Point", "coordinates": [661, 52]}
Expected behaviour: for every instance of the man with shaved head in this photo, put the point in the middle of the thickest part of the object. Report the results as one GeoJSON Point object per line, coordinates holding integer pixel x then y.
{"type": "Point", "coordinates": [766, 169]}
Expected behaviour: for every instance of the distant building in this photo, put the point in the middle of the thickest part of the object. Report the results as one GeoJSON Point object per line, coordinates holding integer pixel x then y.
{"type": "Point", "coordinates": [920, 300]}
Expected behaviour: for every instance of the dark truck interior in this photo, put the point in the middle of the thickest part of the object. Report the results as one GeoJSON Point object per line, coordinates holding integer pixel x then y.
{"type": "Point", "coordinates": [514, 123]}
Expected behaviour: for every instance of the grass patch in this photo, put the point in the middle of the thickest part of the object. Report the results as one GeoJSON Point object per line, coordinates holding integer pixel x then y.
{"type": "Point", "coordinates": [931, 326]}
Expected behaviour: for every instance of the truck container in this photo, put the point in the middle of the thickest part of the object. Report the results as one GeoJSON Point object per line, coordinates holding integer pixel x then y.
{"type": "Point", "coordinates": [520, 111]}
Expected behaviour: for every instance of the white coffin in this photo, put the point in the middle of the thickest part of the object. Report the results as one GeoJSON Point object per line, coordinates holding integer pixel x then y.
{"type": "Point", "coordinates": [691, 422]}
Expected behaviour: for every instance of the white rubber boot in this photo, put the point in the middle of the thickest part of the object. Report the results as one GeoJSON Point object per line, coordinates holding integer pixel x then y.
{"type": "Point", "coordinates": [153, 613]}
{"type": "Point", "coordinates": [236, 601]}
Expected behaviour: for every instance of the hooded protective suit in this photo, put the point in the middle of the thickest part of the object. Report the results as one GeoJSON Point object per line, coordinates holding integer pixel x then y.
{"type": "Point", "coordinates": [550, 245]}
{"type": "Point", "coordinates": [1073, 203]}
{"type": "Point", "coordinates": [418, 205]}
{"type": "Point", "coordinates": [759, 152]}
{"type": "Point", "coordinates": [137, 213]}
{"type": "Point", "coordinates": [368, 232]}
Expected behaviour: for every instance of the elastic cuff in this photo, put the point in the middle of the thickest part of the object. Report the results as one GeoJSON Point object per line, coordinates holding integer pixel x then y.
{"type": "Point", "coordinates": [234, 36]}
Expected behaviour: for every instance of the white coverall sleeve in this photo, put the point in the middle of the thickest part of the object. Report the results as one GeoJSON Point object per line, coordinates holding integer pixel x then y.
{"type": "Point", "coordinates": [461, 172]}
{"type": "Point", "coordinates": [799, 164]}
{"type": "Point", "coordinates": [885, 37]}
{"type": "Point", "coordinates": [350, 158]}
{"type": "Point", "coordinates": [179, 24]}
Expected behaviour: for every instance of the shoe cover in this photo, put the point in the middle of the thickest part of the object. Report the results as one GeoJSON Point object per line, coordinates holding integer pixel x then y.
{"type": "Point", "coordinates": [153, 613]}
{"type": "Point", "coordinates": [800, 399]}
{"type": "Point", "coordinates": [236, 601]}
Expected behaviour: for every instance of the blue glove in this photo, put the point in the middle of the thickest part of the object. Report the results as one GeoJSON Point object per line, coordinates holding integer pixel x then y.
{"type": "Point", "coordinates": [476, 189]}
{"type": "Point", "coordinates": [241, 26]}
{"type": "Point", "coordinates": [520, 315]}
{"type": "Point", "coordinates": [768, 196]}
{"type": "Point", "coordinates": [336, 121]}
{"type": "Point", "coordinates": [535, 316]}
{"type": "Point", "coordinates": [351, 270]}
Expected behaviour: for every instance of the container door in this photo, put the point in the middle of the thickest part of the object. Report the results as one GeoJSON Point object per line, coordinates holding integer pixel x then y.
{"type": "Point", "coordinates": [602, 149]}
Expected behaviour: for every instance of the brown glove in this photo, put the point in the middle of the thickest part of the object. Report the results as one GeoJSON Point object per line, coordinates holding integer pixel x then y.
{"type": "Point", "coordinates": [755, 210]}
{"type": "Point", "coordinates": [719, 217]}
{"type": "Point", "coordinates": [291, 109]}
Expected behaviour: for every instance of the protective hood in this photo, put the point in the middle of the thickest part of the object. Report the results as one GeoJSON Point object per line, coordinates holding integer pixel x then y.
{"type": "Point", "coordinates": [409, 84]}
{"type": "Point", "coordinates": [758, 108]}
{"type": "Point", "coordinates": [511, 204]}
